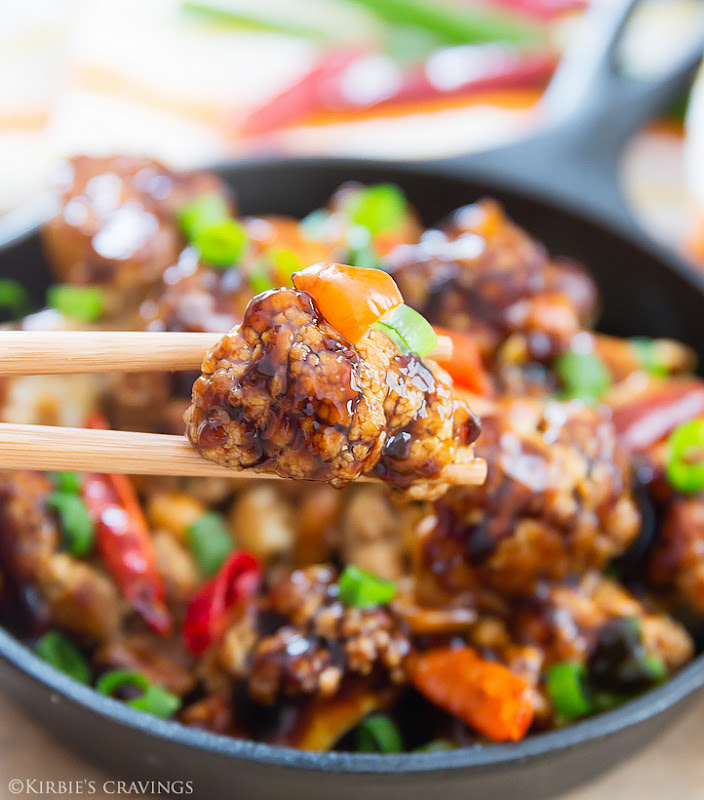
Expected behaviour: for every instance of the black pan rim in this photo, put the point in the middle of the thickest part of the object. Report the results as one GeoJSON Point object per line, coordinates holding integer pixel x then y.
{"type": "Point", "coordinates": [681, 687]}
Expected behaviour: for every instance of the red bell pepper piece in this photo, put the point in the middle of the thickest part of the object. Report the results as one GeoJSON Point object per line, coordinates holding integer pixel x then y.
{"type": "Point", "coordinates": [124, 542]}
{"type": "Point", "coordinates": [465, 367]}
{"type": "Point", "coordinates": [301, 99]}
{"type": "Point", "coordinates": [647, 420]}
{"type": "Point", "coordinates": [209, 610]}
{"type": "Point", "coordinates": [487, 696]}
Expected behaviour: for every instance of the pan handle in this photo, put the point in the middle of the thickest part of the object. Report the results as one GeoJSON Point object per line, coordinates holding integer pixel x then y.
{"type": "Point", "coordinates": [590, 113]}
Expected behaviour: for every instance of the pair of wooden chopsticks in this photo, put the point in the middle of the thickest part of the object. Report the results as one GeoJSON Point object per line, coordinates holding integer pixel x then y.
{"type": "Point", "coordinates": [43, 447]}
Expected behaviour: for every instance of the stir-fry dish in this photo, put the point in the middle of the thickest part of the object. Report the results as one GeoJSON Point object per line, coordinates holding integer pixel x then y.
{"type": "Point", "coordinates": [327, 613]}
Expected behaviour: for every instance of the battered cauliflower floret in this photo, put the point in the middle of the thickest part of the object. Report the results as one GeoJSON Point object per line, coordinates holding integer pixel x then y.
{"type": "Point", "coordinates": [568, 622]}
{"type": "Point", "coordinates": [481, 274]}
{"type": "Point", "coordinates": [116, 223]}
{"type": "Point", "coordinates": [322, 641]}
{"type": "Point", "coordinates": [287, 393]}
{"type": "Point", "coordinates": [557, 500]}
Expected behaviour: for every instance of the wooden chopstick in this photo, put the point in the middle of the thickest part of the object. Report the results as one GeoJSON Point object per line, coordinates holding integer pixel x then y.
{"type": "Point", "coordinates": [63, 352]}
{"type": "Point", "coordinates": [43, 447]}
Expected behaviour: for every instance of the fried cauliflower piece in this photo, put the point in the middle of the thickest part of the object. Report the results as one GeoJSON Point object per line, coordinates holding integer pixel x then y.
{"type": "Point", "coordinates": [285, 392]}
{"type": "Point", "coordinates": [557, 500]}
{"type": "Point", "coordinates": [481, 274]}
{"type": "Point", "coordinates": [116, 222]}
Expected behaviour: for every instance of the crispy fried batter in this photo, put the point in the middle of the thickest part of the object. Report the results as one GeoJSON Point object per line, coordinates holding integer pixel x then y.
{"type": "Point", "coordinates": [285, 392]}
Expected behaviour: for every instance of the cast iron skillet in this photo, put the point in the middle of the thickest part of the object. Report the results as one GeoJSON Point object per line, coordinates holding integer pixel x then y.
{"type": "Point", "coordinates": [561, 185]}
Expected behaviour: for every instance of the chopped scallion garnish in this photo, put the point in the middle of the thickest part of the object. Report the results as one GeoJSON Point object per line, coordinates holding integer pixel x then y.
{"type": "Point", "coordinates": [408, 330]}
{"type": "Point", "coordinates": [648, 356]}
{"type": "Point", "coordinates": [584, 376]}
{"type": "Point", "coordinates": [364, 590]}
{"type": "Point", "coordinates": [200, 213]}
{"type": "Point", "coordinates": [153, 699]}
{"type": "Point", "coordinates": [67, 481]}
{"type": "Point", "coordinates": [685, 457]}
{"type": "Point", "coordinates": [378, 733]}
{"type": "Point", "coordinates": [57, 650]}
{"type": "Point", "coordinates": [259, 280]}
{"type": "Point", "coordinates": [565, 683]}
{"type": "Point", "coordinates": [221, 243]}
{"type": "Point", "coordinates": [84, 303]}
{"type": "Point", "coordinates": [379, 208]}
{"type": "Point", "coordinates": [209, 541]}
{"type": "Point", "coordinates": [76, 524]}
{"type": "Point", "coordinates": [13, 297]}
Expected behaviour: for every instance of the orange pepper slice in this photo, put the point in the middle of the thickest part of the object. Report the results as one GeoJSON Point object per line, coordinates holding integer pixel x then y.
{"type": "Point", "coordinates": [465, 366]}
{"type": "Point", "coordinates": [351, 299]}
{"type": "Point", "coordinates": [485, 695]}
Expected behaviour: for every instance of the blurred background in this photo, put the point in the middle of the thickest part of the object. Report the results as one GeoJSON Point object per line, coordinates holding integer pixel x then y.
{"type": "Point", "coordinates": [198, 81]}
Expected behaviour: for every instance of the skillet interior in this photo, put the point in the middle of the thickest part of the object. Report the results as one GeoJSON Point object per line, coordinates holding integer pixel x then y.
{"type": "Point", "coordinates": [642, 294]}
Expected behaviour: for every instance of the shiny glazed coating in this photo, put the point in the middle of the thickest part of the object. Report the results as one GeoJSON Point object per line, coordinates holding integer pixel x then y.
{"type": "Point", "coordinates": [116, 222]}
{"type": "Point", "coordinates": [481, 274]}
{"type": "Point", "coordinates": [285, 392]}
{"type": "Point", "coordinates": [557, 500]}
{"type": "Point", "coordinates": [322, 642]}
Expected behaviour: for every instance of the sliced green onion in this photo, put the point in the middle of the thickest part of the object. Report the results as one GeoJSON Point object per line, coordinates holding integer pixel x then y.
{"type": "Point", "coordinates": [286, 262]}
{"type": "Point", "coordinates": [57, 650]}
{"type": "Point", "coordinates": [364, 590]}
{"type": "Point", "coordinates": [648, 356]}
{"type": "Point", "coordinates": [221, 243]}
{"type": "Point", "coordinates": [565, 685]}
{"type": "Point", "coordinates": [654, 665]}
{"type": "Point", "coordinates": [209, 541]}
{"type": "Point", "coordinates": [153, 699]}
{"type": "Point", "coordinates": [13, 297]}
{"type": "Point", "coordinates": [84, 303]}
{"type": "Point", "coordinates": [436, 746]}
{"type": "Point", "coordinates": [360, 248]}
{"type": "Point", "coordinates": [70, 482]}
{"type": "Point", "coordinates": [584, 376]}
{"type": "Point", "coordinates": [379, 734]}
{"type": "Point", "coordinates": [200, 213]}
{"type": "Point", "coordinates": [259, 280]}
{"type": "Point", "coordinates": [379, 209]}
{"type": "Point", "coordinates": [408, 330]}
{"type": "Point", "coordinates": [76, 524]}
{"type": "Point", "coordinates": [685, 457]}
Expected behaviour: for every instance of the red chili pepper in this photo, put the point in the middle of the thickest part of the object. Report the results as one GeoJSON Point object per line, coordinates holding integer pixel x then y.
{"type": "Point", "coordinates": [208, 612]}
{"type": "Point", "coordinates": [341, 82]}
{"type": "Point", "coordinates": [124, 542]}
{"type": "Point", "coordinates": [465, 366]}
{"type": "Point", "coordinates": [649, 419]}
{"type": "Point", "coordinates": [300, 100]}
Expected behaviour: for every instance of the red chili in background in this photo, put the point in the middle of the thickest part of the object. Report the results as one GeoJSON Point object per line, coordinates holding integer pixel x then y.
{"type": "Point", "coordinates": [647, 420]}
{"type": "Point", "coordinates": [465, 366]}
{"type": "Point", "coordinates": [356, 80]}
{"type": "Point", "coordinates": [542, 9]}
{"type": "Point", "coordinates": [124, 542]}
{"type": "Point", "coordinates": [208, 612]}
